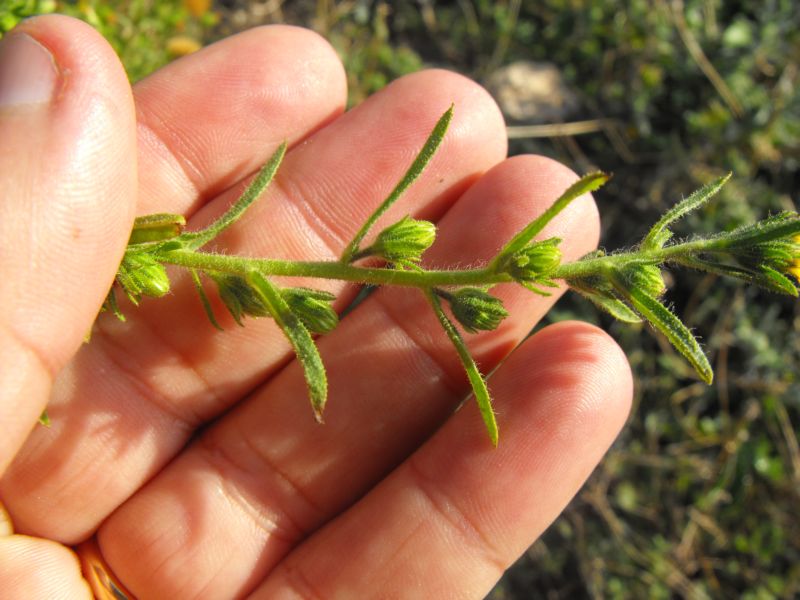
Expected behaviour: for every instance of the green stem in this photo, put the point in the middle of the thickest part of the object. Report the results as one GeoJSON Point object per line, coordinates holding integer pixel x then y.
{"type": "Point", "coordinates": [418, 278]}
{"type": "Point", "coordinates": [331, 270]}
{"type": "Point", "coordinates": [592, 266]}
{"type": "Point", "coordinates": [476, 380]}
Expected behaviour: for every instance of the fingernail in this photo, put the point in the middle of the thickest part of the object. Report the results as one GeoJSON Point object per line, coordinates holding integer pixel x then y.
{"type": "Point", "coordinates": [28, 73]}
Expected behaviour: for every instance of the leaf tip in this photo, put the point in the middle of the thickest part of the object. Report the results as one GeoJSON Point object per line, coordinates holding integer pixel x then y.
{"type": "Point", "coordinates": [595, 180]}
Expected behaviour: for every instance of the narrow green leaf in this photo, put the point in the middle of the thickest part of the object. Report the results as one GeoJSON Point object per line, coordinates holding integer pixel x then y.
{"type": "Point", "coordinates": [781, 226]}
{"type": "Point", "coordinates": [768, 279]}
{"type": "Point", "coordinates": [613, 306]}
{"type": "Point", "coordinates": [587, 183]}
{"type": "Point", "coordinates": [476, 380]}
{"type": "Point", "coordinates": [671, 326]}
{"type": "Point", "coordinates": [535, 289]}
{"type": "Point", "coordinates": [298, 336]}
{"type": "Point", "coordinates": [420, 162]}
{"type": "Point", "coordinates": [659, 234]}
{"type": "Point", "coordinates": [780, 283]}
{"type": "Point", "coordinates": [197, 239]}
{"type": "Point", "coordinates": [112, 305]}
{"type": "Point", "coordinates": [198, 285]}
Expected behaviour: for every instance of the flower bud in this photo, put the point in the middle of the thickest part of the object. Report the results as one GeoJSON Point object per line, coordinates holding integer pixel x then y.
{"type": "Point", "coordinates": [647, 278]}
{"type": "Point", "coordinates": [240, 299]}
{"type": "Point", "coordinates": [313, 308]}
{"type": "Point", "coordinates": [794, 268]}
{"type": "Point", "coordinates": [535, 261]}
{"type": "Point", "coordinates": [141, 274]}
{"type": "Point", "coordinates": [476, 309]}
{"type": "Point", "coordinates": [406, 240]}
{"type": "Point", "coordinates": [780, 255]}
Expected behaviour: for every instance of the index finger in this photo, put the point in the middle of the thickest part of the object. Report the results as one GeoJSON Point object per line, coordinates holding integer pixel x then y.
{"type": "Point", "coordinates": [213, 117]}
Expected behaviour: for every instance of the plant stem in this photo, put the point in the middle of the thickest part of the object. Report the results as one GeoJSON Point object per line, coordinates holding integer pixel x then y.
{"type": "Point", "coordinates": [417, 278]}
{"type": "Point", "coordinates": [592, 266]}
{"type": "Point", "coordinates": [332, 270]}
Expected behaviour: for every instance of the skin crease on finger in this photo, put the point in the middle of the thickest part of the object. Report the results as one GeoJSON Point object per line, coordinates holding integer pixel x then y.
{"type": "Point", "coordinates": [419, 380]}
{"type": "Point", "coordinates": [137, 408]}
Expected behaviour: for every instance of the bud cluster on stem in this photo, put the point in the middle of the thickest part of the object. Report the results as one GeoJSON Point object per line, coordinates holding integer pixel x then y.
{"type": "Point", "coordinates": [628, 285]}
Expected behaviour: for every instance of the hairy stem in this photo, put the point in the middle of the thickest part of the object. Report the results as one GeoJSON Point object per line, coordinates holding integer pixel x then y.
{"type": "Point", "coordinates": [332, 270]}
{"type": "Point", "coordinates": [415, 278]}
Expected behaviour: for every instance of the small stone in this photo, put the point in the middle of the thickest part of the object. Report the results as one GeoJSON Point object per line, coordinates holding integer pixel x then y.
{"type": "Point", "coordinates": [532, 92]}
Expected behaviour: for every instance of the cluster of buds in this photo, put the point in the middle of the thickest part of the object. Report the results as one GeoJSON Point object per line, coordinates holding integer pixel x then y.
{"type": "Point", "coordinates": [476, 309]}
{"type": "Point", "coordinates": [765, 253]}
{"type": "Point", "coordinates": [142, 275]}
{"type": "Point", "coordinates": [614, 291]}
{"type": "Point", "coordinates": [774, 258]}
{"type": "Point", "coordinates": [313, 307]}
{"type": "Point", "coordinates": [239, 297]}
{"type": "Point", "coordinates": [533, 264]}
{"type": "Point", "coordinates": [139, 274]}
{"type": "Point", "coordinates": [647, 278]}
{"type": "Point", "coordinates": [403, 242]}
{"type": "Point", "coordinates": [628, 284]}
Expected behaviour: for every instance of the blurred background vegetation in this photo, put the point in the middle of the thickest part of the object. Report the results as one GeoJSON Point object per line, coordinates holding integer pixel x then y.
{"type": "Point", "coordinates": [699, 497]}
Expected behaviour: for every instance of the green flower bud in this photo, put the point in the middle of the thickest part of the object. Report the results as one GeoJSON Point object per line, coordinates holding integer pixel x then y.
{"type": "Point", "coordinates": [783, 255]}
{"type": "Point", "coordinates": [140, 274]}
{"type": "Point", "coordinates": [794, 267]}
{"type": "Point", "coordinates": [534, 262]}
{"type": "Point", "coordinates": [313, 308]}
{"type": "Point", "coordinates": [240, 299]}
{"type": "Point", "coordinates": [476, 309]}
{"type": "Point", "coordinates": [406, 240]}
{"type": "Point", "coordinates": [647, 278]}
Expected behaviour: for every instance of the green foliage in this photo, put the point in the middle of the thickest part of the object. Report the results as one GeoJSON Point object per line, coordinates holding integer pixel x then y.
{"type": "Point", "coordinates": [13, 11]}
{"type": "Point", "coordinates": [362, 34]}
{"type": "Point", "coordinates": [146, 34]}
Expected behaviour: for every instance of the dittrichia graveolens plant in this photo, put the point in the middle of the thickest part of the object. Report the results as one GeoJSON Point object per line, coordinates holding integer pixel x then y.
{"type": "Point", "coordinates": [627, 284]}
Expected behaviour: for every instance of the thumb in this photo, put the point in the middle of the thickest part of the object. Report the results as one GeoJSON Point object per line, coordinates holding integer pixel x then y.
{"type": "Point", "coordinates": [67, 192]}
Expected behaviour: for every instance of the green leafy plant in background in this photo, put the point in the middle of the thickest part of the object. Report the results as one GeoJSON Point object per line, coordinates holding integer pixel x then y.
{"type": "Point", "coordinates": [146, 34]}
{"type": "Point", "coordinates": [361, 34]}
{"type": "Point", "coordinates": [627, 284]}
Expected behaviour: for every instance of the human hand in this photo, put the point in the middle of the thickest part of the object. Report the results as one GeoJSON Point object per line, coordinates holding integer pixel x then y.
{"type": "Point", "coordinates": [191, 453]}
